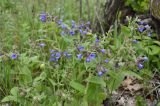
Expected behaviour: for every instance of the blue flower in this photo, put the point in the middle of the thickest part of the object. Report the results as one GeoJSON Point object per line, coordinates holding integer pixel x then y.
{"type": "Point", "coordinates": [149, 34]}
{"type": "Point", "coordinates": [72, 32]}
{"type": "Point", "coordinates": [88, 23]}
{"type": "Point", "coordinates": [140, 66]}
{"type": "Point", "coordinates": [43, 17]}
{"type": "Point", "coordinates": [13, 56]}
{"type": "Point", "coordinates": [81, 31]}
{"type": "Point", "coordinates": [106, 61]}
{"type": "Point", "coordinates": [52, 55]}
{"type": "Point", "coordinates": [42, 44]}
{"type": "Point", "coordinates": [52, 51]}
{"type": "Point", "coordinates": [103, 51]}
{"type": "Point", "coordinates": [141, 23]}
{"type": "Point", "coordinates": [67, 55]}
{"type": "Point", "coordinates": [79, 56]}
{"type": "Point", "coordinates": [100, 73]}
{"type": "Point", "coordinates": [52, 59]}
{"type": "Point", "coordinates": [1, 54]}
{"type": "Point", "coordinates": [147, 27]}
{"type": "Point", "coordinates": [97, 40]}
{"type": "Point", "coordinates": [80, 48]}
{"type": "Point", "coordinates": [88, 59]}
{"type": "Point", "coordinates": [84, 32]}
{"type": "Point", "coordinates": [62, 33]}
{"type": "Point", "coordinates": [63, 26]}
{"type": "Point", "coordinates": [81, 26]}
{"type": "Point", "coordinates": [135, 41]}
{"type": "Point", "coordinates": [141, 29]}
{"type": "Point", "coordinates": [105, 70]}
{"type": "Point", "coordinates": [73, 24]}
{"type": "Point", "coordinates": [145, 59]}
{"type": "Point", "coordinates": [58, 54]}
{"type": "Point", "coordinates": [92, 55]}
{"type": "Point", "coordinates": [60, 22]}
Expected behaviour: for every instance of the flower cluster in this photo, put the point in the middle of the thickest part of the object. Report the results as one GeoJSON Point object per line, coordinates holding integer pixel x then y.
{"type": "Point", "coordinates": [43, 17]}
{"type": "Point", "coordinates": [142, 26]}
{"type": "Point", "coordinates": [141, 61]}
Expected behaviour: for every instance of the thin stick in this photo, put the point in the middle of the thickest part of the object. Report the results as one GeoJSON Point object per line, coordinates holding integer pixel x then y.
{"type": "Point", "coordinates": [88, 9]}
{"type": "Point", "coordinates": [80, 9]}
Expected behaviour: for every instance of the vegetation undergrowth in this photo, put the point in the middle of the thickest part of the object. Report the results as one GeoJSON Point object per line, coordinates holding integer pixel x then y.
{"type": "Point", "coordinates": [55, 61]}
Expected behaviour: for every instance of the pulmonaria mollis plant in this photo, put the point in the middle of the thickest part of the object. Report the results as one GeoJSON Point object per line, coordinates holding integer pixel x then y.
{"type": "Point", "coordinates": [71, 64]}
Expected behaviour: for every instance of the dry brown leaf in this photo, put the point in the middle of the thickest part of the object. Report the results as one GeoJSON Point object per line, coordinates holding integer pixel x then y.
{"type": "Point", "coordinates": [121, 101]}
{"type": "Point", "coordinates": [134, 87]}
{"type": "Point", "coordinates": [127, 81]}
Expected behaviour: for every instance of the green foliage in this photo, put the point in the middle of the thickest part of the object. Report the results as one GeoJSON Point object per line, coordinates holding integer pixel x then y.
{"type": "Point", "coordinates": [35, 78]}
{"type": "Point", "coordinates": [140, 6]}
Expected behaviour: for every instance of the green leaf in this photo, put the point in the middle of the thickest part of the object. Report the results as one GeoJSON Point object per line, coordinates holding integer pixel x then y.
{"type": "Point", "coordinates": [96, 80]}
{"type": "Point", "coordinates": [132, 74]}
{"type": "Point", "coordinates": [155, 50]}
{"type": "Point", "coordinates": [25, 75]}
{"type": "Point", "coordinates": [115, 81]}
{"type": "Point", "coordinates": [14, 91]}
{"type": "Point", "coordinates": [79, 87]}
{"type": "Point", "coordinates": [8, 98]}
{"type": "Point", "coordinates": [42, 77]}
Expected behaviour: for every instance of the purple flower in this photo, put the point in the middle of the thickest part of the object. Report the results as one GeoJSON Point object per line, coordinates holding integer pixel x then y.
{"type": "Point", "coordinates": [60, 22]}
{"type": "Point", "coordinates": [145, 59]}
{"type": "Point", "coordinates": [52, 59]}
{"type": "Point", "coordinates": [13, 56]}
{"type": "Point", "coordinates": [100, 73]}
{"type": "Point", "coordinates": [58, 54]}
{"type": "Point", "coordinates": [67, 55]}
{"type": "Point", "coordinates": [72, 32]}
{"type": "Point", "coordinates": [106, 61]}
{"type": "Point", "coordinates": [52, 51]}
{"type": "Point", "coordinates": [88, 59]}
{"type": "Point", "coordinates": [149, 34]}
{"type": "Point", "coordinates": [79, 56]}
{"type": "Point", "coordinates": [42, 44]}
{"type": "Point", "coordinates": [147, 26]}
{"type": "Point", "coordinates": [88, 23]}
{"type": "Point", "coordinates": [43, 17]}
{"type": "Point", "coordinates": [140, 66]}
{"type": "Point", "coordinates": [73, 24]}
{"type": "Point", "coordinates": [81, 31]}
{"type": "Point", "coordinates": [92, 55]}
{"type": "Point", "coordinates": [141, 29]}
{"type": "Point", "coordinates": [105, 70]}
{"type": "Point", "coordinates": [81, 26]}
{"type": "Point", "coordinates": [97, 40]}
{"type": "Point", "coordinates": [103, 51]}
{"type": "Point", "coordinates": [141, 23]}
{"type": "Point", "coordinates": [84, 32]}
{"type": "Point", "coordinates": [63, 26]}
{"type": "Point", "coordinates": [52, 55]}
{"type": "Point", "coordinates": [80, 48]}
{"type": "Point", "coordinates": [62, 33]}
{"type": "Point", "coordinates": [135, 41]}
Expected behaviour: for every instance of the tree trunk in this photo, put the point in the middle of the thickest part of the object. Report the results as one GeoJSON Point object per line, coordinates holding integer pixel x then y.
{"type": "Point", "coordinates": [107, 16]}
{"type": "Point", "coordinates": [110, 13]}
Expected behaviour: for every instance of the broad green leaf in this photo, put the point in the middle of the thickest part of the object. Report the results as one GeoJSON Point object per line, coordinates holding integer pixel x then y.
{"type": "Point", "coordinates": [96, 80]}
{"type": "Point", "coordinates": [77, 86]}
{"type": "Point", "coordinates": [52, 82]}
{"type": "Point", "coordinates": [132, 74]}
{"type": "Point", "coordinates": [8, 98]}
{"type": "Point", "coordinates": [42, 77]}
{"type": "Point", "coordinates": [15, 91]}
{"type": "Point", "coordinates": [95, 94]}
{"type": "Point", "coordinates": [115, 81]}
